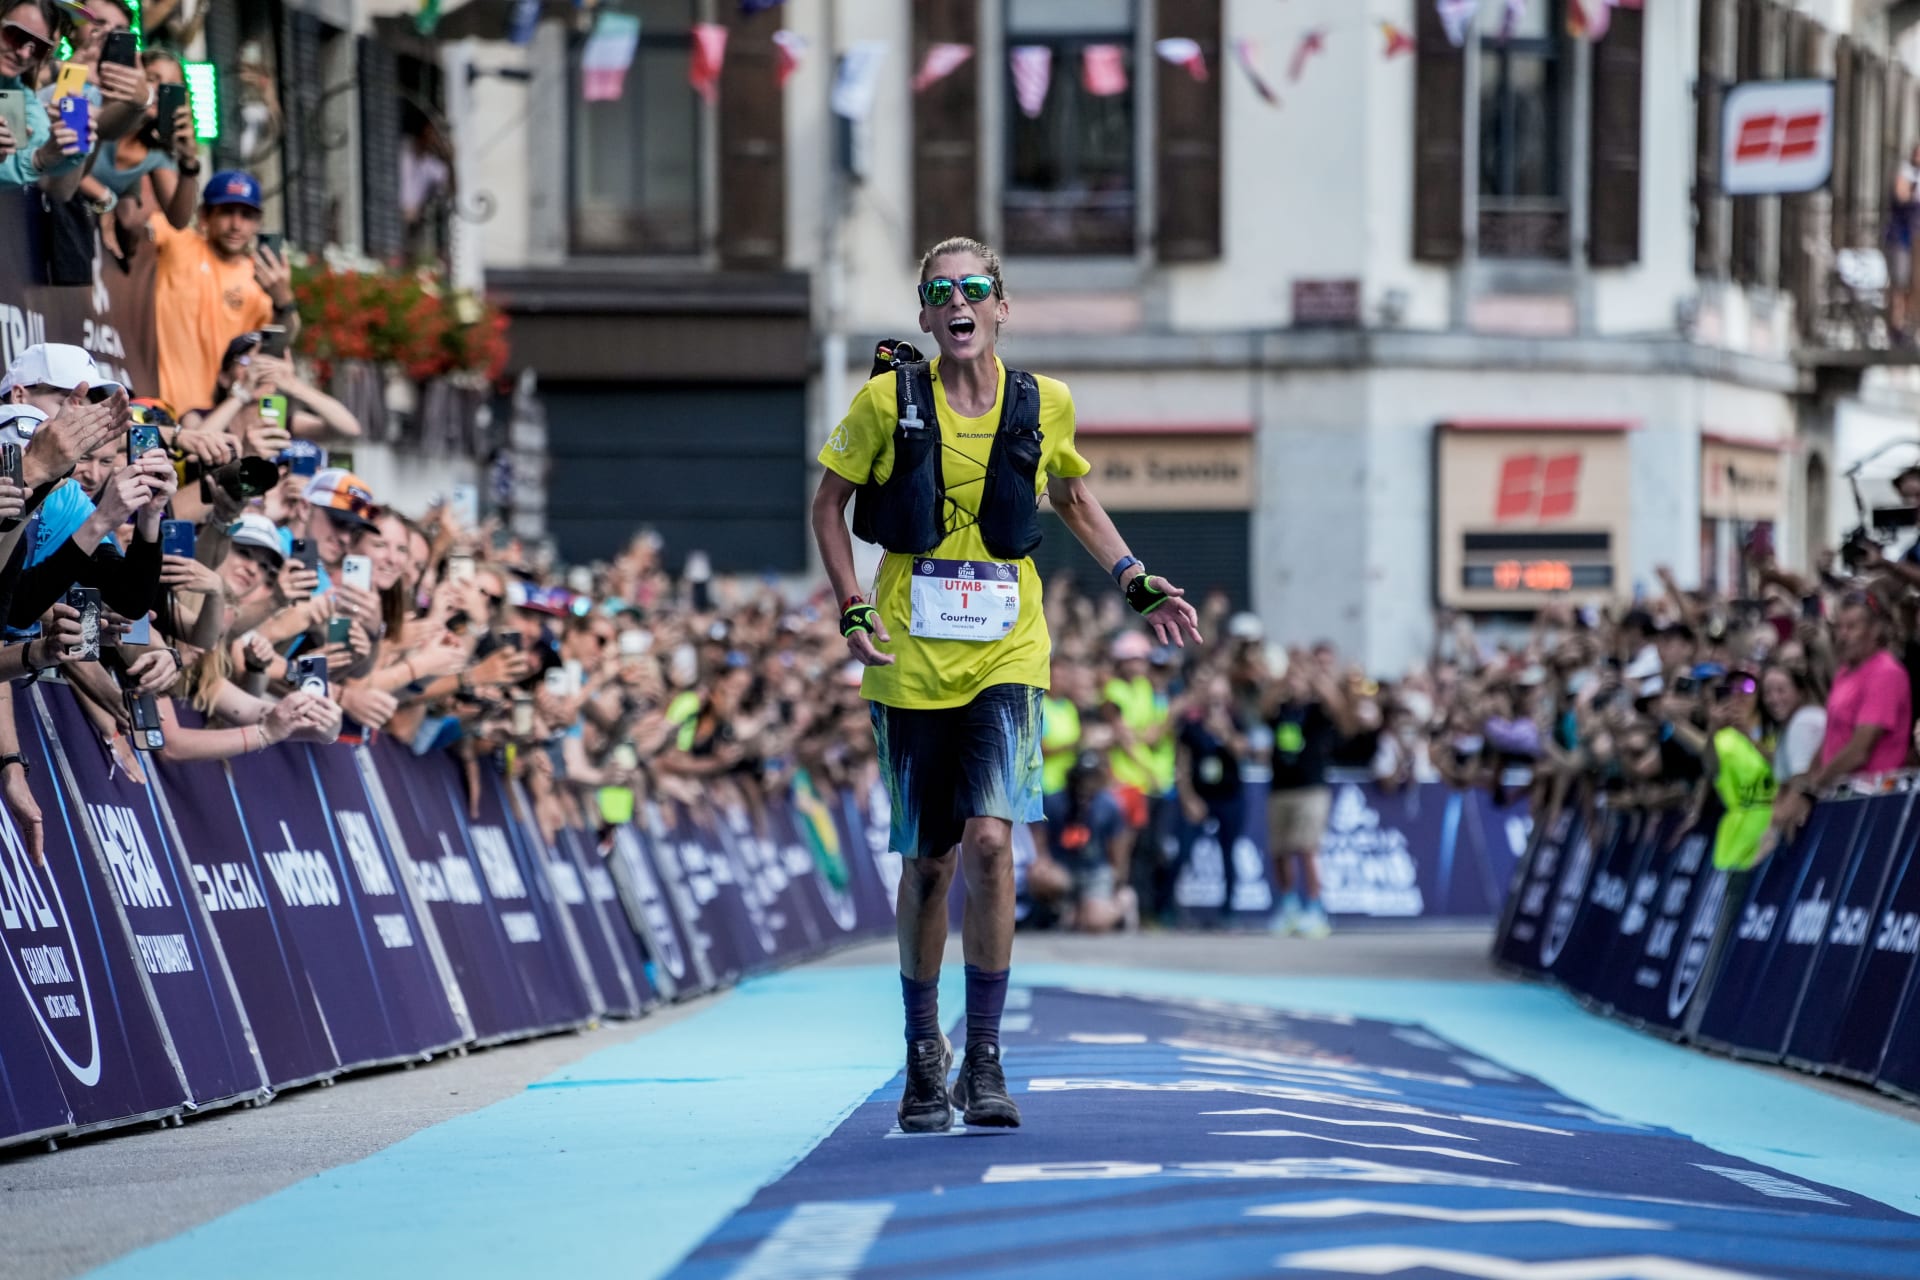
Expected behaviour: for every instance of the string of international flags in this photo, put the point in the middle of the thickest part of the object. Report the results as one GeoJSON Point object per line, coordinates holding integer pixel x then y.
{"type": "Point", "coordinates": [1103, 69]}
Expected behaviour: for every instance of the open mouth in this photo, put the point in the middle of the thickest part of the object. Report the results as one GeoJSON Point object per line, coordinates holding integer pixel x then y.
{"type": "Point", "coordinates": [960, 326]}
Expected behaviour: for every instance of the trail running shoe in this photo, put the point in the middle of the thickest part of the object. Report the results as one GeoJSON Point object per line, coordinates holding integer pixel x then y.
{"type": "Point", "coordinates": [923, 1106]}
{"type": "Point", "coordinates": [1313, 922]}
{"type": "Point", "coordinates": [981, 1090]}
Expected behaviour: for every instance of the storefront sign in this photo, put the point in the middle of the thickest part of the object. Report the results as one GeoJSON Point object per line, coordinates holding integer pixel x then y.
{"type": "Point", "coordinates": [1170, 473]}
{"type": "Point", "coordinates": [1740, 482]}
{"type": "Point", "coordinates": [1524, 514]}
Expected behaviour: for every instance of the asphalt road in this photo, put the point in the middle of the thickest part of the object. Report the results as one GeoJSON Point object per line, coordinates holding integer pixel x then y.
{"type": "Point", "coordinates": [65, 1212]}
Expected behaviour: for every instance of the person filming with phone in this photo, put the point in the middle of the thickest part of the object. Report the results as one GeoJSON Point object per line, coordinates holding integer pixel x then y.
{"type": "Point", "coordinates": [38, 147]}
{"type": "Point", "coordinates": [214, 284]}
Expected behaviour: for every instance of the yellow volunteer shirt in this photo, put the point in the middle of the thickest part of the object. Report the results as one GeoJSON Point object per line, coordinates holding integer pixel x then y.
{"type": "Point", "coordinates": [204, 303]}
{"type": "Point", "coordinates": [929, 673]}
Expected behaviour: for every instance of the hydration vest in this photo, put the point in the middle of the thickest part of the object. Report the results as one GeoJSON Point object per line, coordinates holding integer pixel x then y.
{"type": "Point", "coordinates": [906, 512]}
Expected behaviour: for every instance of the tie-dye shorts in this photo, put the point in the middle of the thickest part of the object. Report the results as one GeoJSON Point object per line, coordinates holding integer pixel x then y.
{"type": "Point", "coordinates": [944, 766]}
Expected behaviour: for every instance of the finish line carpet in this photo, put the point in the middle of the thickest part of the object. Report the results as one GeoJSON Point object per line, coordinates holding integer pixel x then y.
{"type": "Point", "coordinates": [1203, 1138]}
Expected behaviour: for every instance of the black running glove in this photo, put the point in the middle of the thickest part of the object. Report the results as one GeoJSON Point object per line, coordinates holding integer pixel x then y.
{"type": "Point", "coordinates": [859, 617]}
{"type": "Point", "coordinates": [1143, 596]}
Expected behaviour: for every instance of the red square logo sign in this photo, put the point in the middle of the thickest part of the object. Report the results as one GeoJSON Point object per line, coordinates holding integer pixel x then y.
{"type": "Point", "coordinates": [1537, 488]}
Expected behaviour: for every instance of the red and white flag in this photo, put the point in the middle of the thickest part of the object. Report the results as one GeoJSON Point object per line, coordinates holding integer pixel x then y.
{"type": "Point", "coordinates": [941, 60]}
{"type": "Point", "coordinates": [1103, 70]}
{"type": "Point", "coordinates": [1312, 43]}
{"type": "Point", "coordinates": [1457, 16]}
{"type": "Point", "coordinates": [709, 53]}
{"type": "Point", "coordinates": [1246, 52]}
{"type": "Point", "coordinates": [1032, 76]}
{"type": "Point", "coordinates": [1591, 19]}
{"type": "Point", "coordinates": [1182, 52]}
{"type": "Point", "coordinates": [790, 47]}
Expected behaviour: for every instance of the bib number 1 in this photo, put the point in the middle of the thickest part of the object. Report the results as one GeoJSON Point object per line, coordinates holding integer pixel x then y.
{"type": "Point", "coordinates": [964, 599]}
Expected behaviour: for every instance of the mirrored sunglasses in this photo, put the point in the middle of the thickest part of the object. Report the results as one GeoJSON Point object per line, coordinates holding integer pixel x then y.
{"type": "Point", "coordinates": [938, 291]}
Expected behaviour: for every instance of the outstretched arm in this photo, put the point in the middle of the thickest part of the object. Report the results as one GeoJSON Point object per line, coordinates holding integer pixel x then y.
{"type": "Point", "coordinates": [1173, 620]}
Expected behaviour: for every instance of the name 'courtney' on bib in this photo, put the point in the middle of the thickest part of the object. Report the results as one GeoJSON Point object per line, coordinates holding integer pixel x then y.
{"type": "Point", "coordinates": [964, 599]}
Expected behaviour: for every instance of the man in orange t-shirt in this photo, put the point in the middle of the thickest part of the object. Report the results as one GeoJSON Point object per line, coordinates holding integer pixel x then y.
{"type": "Point", "coordinates": [212, 285]}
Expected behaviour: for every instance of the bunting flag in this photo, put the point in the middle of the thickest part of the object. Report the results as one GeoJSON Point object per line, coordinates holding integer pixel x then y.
{"type": "Point", "coordinates": [857, 78]}
{"type": "Point", "coordinates": [1510, 20]}
{"type": "Point", "coordinates": [1246, 52]}
{"type": "Point", "coordinates": [1103, 70]}
{"type": "Point", "coordinates": [709, 53]}
{"type": "Point", "coordinates": [1398, 41]}
{"type": "Point", "coordinates": [1589, 19]}
{"type": "Point", "coordinates": [790, 47]}
{"type": "Point", "coordinates": [1182, 52]}
{"type": "Point", "coordinates": [941, 60]}
{"type": "Point", "coordinates": [608, 54]}
{"type": "Point", "coordinates": [521, 22]}
{"type": "Point", "coordinates": [757, 6]}
{"type": "Point", "coordinates": [426, 17]}
{"type": "Point", "coordinates": [1032, 76]}
{"type": "Point", "coordinates": [1457, 16]}
{"type": "Point", "coordinates": [1311, 45]}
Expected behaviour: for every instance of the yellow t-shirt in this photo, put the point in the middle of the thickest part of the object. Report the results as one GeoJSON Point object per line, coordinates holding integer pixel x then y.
{"type": "Point", "coordinates": [930, 673]}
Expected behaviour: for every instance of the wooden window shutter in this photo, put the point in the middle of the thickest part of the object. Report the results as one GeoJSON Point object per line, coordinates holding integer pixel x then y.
{"type": "Point", "coordinates": [1614, 198]}
{"type": "Point", "coordinates": [223, 50]}
{"type": "Point", "coordinates": [946, 127]}
{"type": "Point", "coordinates": [1844, 123]}
{"type": "Point", "coordinates": [1709, 248]}
{"type": "Point", "coordinates": [1187, 138]}
{"type": "Point", "coordinates": [753, 170]}
{"type": "Point", "coordinates": [1439, 140]}
{"type": "Point", "coordinates": [304, 148]}
{"type": "Point", "coordinates": [383, 226]}
{"type": "Point", "coordinates": [1746, 243]}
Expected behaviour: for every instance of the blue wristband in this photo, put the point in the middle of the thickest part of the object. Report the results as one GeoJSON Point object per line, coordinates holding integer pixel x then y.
{"type": "Point", "coordinates": [1125, 563]}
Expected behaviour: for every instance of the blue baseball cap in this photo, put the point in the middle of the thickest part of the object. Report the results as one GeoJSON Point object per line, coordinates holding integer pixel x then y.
{"type": "Point", "coordinates": [232, 186]}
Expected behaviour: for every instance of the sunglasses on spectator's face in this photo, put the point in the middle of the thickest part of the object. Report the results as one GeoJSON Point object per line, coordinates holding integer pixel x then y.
{"type": "Point", "coordinates": [1739, 686]}
{"type": "Point", "coordinates": [938, 291]}
{"type": "Point", "coordinates": [21, 40]}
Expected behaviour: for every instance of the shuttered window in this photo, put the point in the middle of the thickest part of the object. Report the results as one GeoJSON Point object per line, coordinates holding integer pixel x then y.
{"type": "Point", "coordinates": [304, 157]}
{"type": "Point", "coordinates": [383, 229]}
{"type": "Point", "coordinates": [1201, 551]}
{"type": "Point", "coordinates": [1746, 242]}
{"type": "Point", "coordinates": [1844, 151]}
{"type": "Point", "coordinates": [946, 128]}
{"type": "Point", "coordinates": [637, 159]}
{"type": "Point", "coordinates": [1798, 263]}
{"type": "Point", "coordinates": [1614, 189]}
{"type": "Point", "coordinates": [753, 173]}
{"type": "Point", "coordinates": [1187, 132]}
{"type": "Point", "coordinates": [1439, 133]}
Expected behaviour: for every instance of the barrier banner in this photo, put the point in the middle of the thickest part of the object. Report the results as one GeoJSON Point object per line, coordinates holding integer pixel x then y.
{"type": "Point", "coordinates": [426, 825]}
{"type": "Point", "coordinates": [1880, 995]}
{"type": "Point", "coordinates": [768, 886]}
{"type": "Point", "coordinates": [289, 833]}
{"type": "Point", "coordinates": [558, 888]}
{"type": "Point", "coordinates": [1558, 841]}
{"type": "Point", "coordinates": [537, 936]}
{"type": "Point", "coordinates": [1785, 915]}
{"type": "Point", "coordinates": [804, 832]}
{"type": "Point", "coordinates": [171, 937]}
{"type": "Point", "coordinates": [1220, 878]}
{"type": "Point", "coordinates": [692, 848]}
{"type": "Point", "coordinates": [1654, 980]}
{"type": "Point", "coordinates": [872, 864]}
{"type": "Point", "coordinates": [670, 960]}
{"type": "Point", "coordinates": [609, 944]}
{"type": "Point", "coordinates": [72, 955]}
{"type": "Point", "coordinates": [1404, 854]}
{"type": "Point", "coordinates": [1585, 926]}
{"type": "Point", "coordinates": [1842, 953]}
{"type": "Point", "coordinates": [32, 1106]}
{"type": "Point", "coordinates": [1900, 1064]}
{"type": "Point", "coordinates": [709, 942]}
{"type": "Point", "coordinates": [1502, 833]}
{"type": "Point", "coordinates": [410, 974]}
{"type": "Point", "coordinates": [268, 969]}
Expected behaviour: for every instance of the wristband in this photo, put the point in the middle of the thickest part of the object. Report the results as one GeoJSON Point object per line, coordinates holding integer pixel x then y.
{"type": "Point", "coordinates": [1123, 564]}
{"type": "Point", "coordinates": [859, 616]}
{"type": "Point", "coordinates": [14, 757]}
{"type": "Point", "coordinates": [1144, 598]}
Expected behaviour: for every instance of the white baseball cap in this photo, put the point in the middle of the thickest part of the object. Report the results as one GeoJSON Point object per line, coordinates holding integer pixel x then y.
{"type": "Point", "coordinates": [18, 422]}
{"type": "Point", "coordinates": [254, 530]}
{"type": "Point", "coordinates": [58, 364]}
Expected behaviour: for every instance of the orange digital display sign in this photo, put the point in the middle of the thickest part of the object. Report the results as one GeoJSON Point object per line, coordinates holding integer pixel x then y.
{"type": "Point", "coordinates": [1532, 575]}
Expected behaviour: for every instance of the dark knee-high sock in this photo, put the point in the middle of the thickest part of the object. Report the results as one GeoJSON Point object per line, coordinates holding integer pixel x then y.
{"type": "Point", "coordinates": [986, 997]}
{"type": "Point", "coordinates": [922, 998]}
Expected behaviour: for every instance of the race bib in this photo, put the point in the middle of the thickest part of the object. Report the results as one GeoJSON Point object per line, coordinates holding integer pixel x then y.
{"type": "Point", "coordinates": [964, 599]}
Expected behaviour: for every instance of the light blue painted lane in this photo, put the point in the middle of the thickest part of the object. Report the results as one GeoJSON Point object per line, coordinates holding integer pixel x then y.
{"type": "Point", "coordinates": [621, 1164]}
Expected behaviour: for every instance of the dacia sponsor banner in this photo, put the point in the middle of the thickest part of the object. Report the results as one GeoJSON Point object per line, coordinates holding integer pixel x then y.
{"type": "Point", "coordinates": [71, 954]}
{"type": "Point", "coordinates": [426, 825]}
{"type": "Point", "coordinates": [400, 936]}
{"type": "Point", "coordinates": [268, 969]}
{"type": "Point", "coordinates": [769, 880]}
{"type": "Point", "coordinates": [522, 904]}
{"type": "Point", "coordinates": [582, 881]}
{"type": "Point", "coordinates": [178, 955]}
{"type": "Point", "coordinates": [1811, 956]}
{"type": "Point", "coordinates": [1263, 1141]}
{"type": "Point", "coordinates": [670, 961]}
